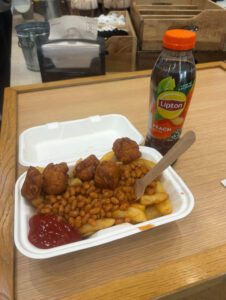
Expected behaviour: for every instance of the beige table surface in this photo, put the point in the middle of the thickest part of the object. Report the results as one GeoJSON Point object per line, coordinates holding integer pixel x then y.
{"type": "Point", "coordinates": [158, 262]}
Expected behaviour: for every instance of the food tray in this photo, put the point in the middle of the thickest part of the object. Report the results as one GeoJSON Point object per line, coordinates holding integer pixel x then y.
{"type": "Point", "coordinates": [96, 135]}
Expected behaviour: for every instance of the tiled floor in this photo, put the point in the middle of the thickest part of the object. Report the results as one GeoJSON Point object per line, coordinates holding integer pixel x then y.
{"type": "Point", "coordinates": [222, 3]}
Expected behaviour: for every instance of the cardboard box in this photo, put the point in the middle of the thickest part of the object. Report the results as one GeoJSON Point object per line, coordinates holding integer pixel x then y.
{"type": "Point", "coordinates": [151, 18]}
{"type": "Point", "coordinates": [121, 50]}
{"type": "Point", "coordinates": [147, 59]}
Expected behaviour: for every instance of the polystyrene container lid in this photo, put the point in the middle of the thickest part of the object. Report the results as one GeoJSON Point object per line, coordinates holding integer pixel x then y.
{"type": "Point", "coordinates": [67, 141]}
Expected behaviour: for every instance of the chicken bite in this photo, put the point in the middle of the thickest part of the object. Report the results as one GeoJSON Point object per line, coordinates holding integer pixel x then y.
{"type": "Point", "coordinates": [33, 184]}
{"type": "Point", "coordinates": [126, 150]}
{"type": "Point", "coordinates": [55, 178]}
{"type": "Point", "coordinates": [107, 175]}
{"type": "Point", "coordinates": [85, 170]}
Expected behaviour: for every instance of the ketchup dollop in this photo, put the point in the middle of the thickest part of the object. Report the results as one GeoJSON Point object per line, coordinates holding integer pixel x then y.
{"type": "Point", "coordinates": [47, 232]}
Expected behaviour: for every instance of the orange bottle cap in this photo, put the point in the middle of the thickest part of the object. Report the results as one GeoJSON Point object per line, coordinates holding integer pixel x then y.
{"type": "Point", "coordinates": [179, 39]}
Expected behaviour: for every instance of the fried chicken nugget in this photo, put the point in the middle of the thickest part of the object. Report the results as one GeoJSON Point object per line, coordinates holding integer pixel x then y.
{"type": "Point", "coordinates": [33, 184]}
{"type": "Point", "coordinates": [85, 170]}
{"type": "Point", "coordinates": [126, 150]}
{"type": "Point", "coordinates": [55, 178]}
{"type": "Point", "coordinates": [107, 175]}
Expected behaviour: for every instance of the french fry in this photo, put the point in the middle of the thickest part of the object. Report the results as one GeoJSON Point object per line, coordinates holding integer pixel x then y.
{"type": "Point", "coordinates": [152, 212]}
{"type": "Point", "coordinates": [152, 199]}
{"type": "Point", "coordinates": [108, 156]}
{"type": "Point", "coordinates": [41, 169]}
{"type": "Point", "coordinates": [73, 169]}
{"type": "Point", "coordinates": [165, 207]}
{"type": "Point", "coordinates": [136, 215]}
{"type": "Point", "coordinates": [88, 229]}
{"type": "Point", "coordinates": [159, 188]}
{"type": "Point", "coordinates": [74, 182]}
{"type": "Point", "coordinates": [120, 214]}
{"type": "Point", "coordinates": [139, 206]}
{"type": "Point", "coordinates": [148, 163]}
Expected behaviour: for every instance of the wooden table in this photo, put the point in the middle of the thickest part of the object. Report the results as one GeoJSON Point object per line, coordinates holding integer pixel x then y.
{"type": "Point", "coordinates": [162, 261]}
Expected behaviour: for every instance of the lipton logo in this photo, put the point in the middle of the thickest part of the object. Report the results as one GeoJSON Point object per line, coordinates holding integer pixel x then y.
{"type": "Point", "coordinates": [171, 104]}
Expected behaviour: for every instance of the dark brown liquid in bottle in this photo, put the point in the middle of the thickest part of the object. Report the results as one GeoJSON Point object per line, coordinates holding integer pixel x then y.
{"type": "Point", "coordinates": [183, 72]}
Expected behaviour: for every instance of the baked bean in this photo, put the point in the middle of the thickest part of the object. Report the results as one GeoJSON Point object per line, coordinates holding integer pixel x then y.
{"type": "Point", "coordinates": [124, 206]}
{"type": "Point", "coordinates": [87, 207]}
{"type": "Point", "coordinates": [115, 207]}
{"type": "Point", "coordinates": [45, 210]}
{"type": "Point", "coordinates": [48, 206]}
{"type": "Point", "coordinates": [83, 191]}
{"type": "Point", "coordinates": [71, 221]}
{"type": "Point", "coordinates": [56, 205]}
{"type": "Point", "coordinates": [97, 204]}
{"type": "Point", "coordinates": [94, 201]}
{"type": "Point", "coordinates": [86, 185]}
{"type": "Point", "coordinates": [66, 216]}
{"type": "Point", "coordinates": [67, 208]}
{"type": "Point", "coordinates": [81, 198]}
{"type": "Point", "coordinates": [59, 218]}
{"type": "Point", "coordinates": [61, 209]}
{"type": "Point", "coordinates": [92, 222]}
{"type": "Point", "coordinates": [109, 214]}
{"type": "Point", "coordinates": [149, 191]}
{"type": "Point", "coordinates": [70, 200]}
{"type": "Point", "coordinates": [74, 213]}
{"type": "Point", "coordinates": [55, 210]}
{"type": "Point", "coordinates": [74, 204]}
{"type": "Point", "coordinates": [102, 213]}
{"type": "Point", "coordinates": [91, 189]}
{"type": "Point", "coordinates": [93, 195]}
{"type": "Point", "coordinates": [77, 190]}
{"type": "Point", "coordinates": [52, 199]}
{"type": "Point", "coordinates": [94, 211]}
{"type": "Point", "coordinates": [63, 202]}
{"type": "Point", "coordinates": [71, 190]}
{"type": "Point", "coordinates": [80, 204]}
{"type": "Point", "coordinates": [66, 195]}
{"type": "Point", "coordinates": [114, 200]}
{"type": "Point", "coordinates": [152, 184]}
{"type": "Point", "coordinates": [107, 193]}
{"type": "Point", "coordinates": [82, 213]}
{"type": "Point", "coordinates": [87, 200]}
{"type": "Point", "coordinates": [77, 223]}
{"type": "Point", "coordinates": [108, 207]}
{"type": "Point", "coordinates": [85, 219]}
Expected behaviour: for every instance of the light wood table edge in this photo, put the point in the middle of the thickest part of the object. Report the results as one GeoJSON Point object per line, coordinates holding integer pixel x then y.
{"type": "Point", "coordinates": [203, 269]}
{"type": "Point", "coordinates": [8, 161]}
{"type": "Point", "coordinates": [100, 79]}
{"type": "Point", "coordinates": [8, 166]}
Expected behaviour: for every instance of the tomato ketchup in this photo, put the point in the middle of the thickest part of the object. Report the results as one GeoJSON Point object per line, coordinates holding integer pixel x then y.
{"type": "Point", "coordinates": [46, 231]}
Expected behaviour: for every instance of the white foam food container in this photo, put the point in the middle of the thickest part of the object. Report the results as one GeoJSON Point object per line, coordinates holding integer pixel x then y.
{"type": "Point", "coordinates": [69, 141]}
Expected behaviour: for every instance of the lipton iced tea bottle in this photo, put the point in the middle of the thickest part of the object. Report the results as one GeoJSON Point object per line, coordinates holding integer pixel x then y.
{"type": "Point", "coordinates": [172, 84]}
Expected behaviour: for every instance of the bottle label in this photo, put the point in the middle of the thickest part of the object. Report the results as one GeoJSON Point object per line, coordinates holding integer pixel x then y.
{"type": "Point", "coordinates": [169, 105]}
